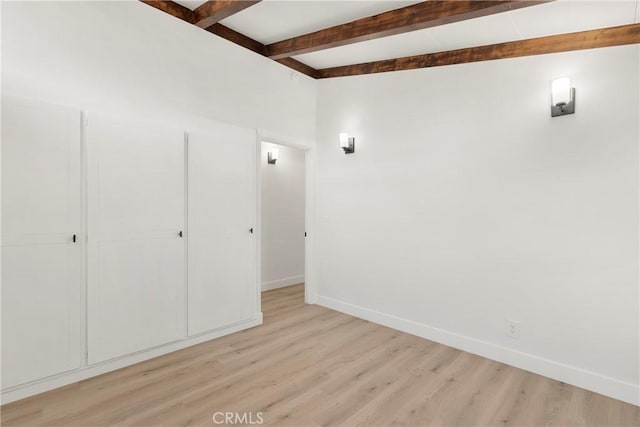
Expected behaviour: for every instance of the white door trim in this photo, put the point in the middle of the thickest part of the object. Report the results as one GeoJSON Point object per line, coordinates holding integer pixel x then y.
{"type": "Point", "coordinates": [309, 210]}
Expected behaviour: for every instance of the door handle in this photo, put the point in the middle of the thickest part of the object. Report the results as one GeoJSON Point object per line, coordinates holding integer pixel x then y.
{"type": "Point", "coordinates": [180, 233]}
{"type": "Point", "coordinates": [73, 239]}
{"type": "Point", "coordinates": [251, 230]}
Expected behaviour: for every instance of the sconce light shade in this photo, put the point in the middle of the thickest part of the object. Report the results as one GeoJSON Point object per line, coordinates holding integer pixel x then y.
{"type": "Point", "coordinates": [348, 144]}
{"type": "Point", "coordinates": [562, 97]}
{"type": "Point", "coordinates": [272, 156]}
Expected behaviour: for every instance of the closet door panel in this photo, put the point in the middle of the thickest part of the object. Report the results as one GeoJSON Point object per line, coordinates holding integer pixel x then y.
{"type": "Point", "coordinates": [138, 295]}
{"type": "Point", "coordinates": [222, 280]}
{"type": "Point", "coordinates": [136, 255]}
{"type": "Point", "coordinates": [141, 179]}
{"type": "Point", "coordinates": [40, 335]}
{"type": "Point", "coordinates": [222, 210]}
{"type": "Point", "coordinates": [41, 264]}
{"type": "Point", "coordinates": [40, 168]}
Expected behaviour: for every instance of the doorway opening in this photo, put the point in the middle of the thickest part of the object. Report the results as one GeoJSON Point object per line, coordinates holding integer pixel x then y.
{"type": "Point", "coordinates": [282, 216]}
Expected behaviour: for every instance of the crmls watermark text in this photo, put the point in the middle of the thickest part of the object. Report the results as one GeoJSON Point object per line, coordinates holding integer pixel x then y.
{"type": "Point", "coordinates": [237, 418]}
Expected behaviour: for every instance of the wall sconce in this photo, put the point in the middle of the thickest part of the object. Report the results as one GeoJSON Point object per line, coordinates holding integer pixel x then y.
{"type": "Point", "coordinates": [348, 144]}
{"type": "Point", "coordinates": [562, 97]}
{"type": "Point", "coordinates": [272, 156]}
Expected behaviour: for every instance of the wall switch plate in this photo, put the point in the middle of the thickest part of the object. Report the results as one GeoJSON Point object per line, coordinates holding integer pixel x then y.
{"type": "Point", "coordinates": [513, 329]}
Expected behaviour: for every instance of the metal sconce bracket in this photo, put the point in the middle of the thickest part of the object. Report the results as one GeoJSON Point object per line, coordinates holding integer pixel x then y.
{"type": "Point", "coordinates": [270, 159]}
{"type": "Point", "coordinates": [352, 146]}
{"type": "Point", "coordinates": [563, 109]}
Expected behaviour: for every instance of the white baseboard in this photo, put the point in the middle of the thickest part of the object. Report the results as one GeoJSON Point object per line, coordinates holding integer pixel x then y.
{"type": "Point", "coordinates": [281, 283]}
{"type": "Point", "coordinates": [595, 382]}
{"type": "Point", "coordinates": [40, 386]}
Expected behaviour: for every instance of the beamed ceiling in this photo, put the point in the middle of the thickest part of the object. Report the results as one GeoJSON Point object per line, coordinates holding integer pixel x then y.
{"type": "Point", "coordinates": [325, 39]}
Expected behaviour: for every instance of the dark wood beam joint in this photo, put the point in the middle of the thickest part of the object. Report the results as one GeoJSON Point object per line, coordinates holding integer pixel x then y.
{"type": "Point", "coordinates": [238, 38]}
{"type": "Point", "coordinates": [172, 8]}
{"type": "Point", "coordinates": [227, 33]}
{"type": "Point", "coordinates": [299, 66]}
{"type": "Point", "coordinates": [215, 11]}
{"type": "Point", "coordinates": [257, 47]}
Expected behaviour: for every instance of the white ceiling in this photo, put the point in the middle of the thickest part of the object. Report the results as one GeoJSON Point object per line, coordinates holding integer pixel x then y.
{"type": "Point", "coordinates": [274, 20]}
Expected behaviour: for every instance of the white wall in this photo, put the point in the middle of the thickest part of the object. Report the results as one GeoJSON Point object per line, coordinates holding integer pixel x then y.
{"type": "Point", "coordinates": [132, 60]}
{"type": "Point", "coordinates": [466, 204]}
{"type": "Point", "coordinates": [283, 216]}
{"type": "Point", "coordinates": [129, 58]}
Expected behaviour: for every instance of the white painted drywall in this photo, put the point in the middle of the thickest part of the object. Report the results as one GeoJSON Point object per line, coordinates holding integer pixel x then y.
{"type": "Point", "coordinates": [283, 217]}
{"type": "Point", "coordinates": [466, 204]}
{"type": "Point", "coordinates": [132, 60]}
{"type": "Point", "coordinates": [128, 58]}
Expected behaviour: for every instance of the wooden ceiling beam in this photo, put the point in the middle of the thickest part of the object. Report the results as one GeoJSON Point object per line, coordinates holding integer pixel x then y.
{"type": "Point", "coordinates": [238, 38]}
{"type": "Point", "coordinates": [299, 66]}
{"type": "Point", "coordinates": [214, 11]}
{"type": "Point", "coordinates": [257, 47]}
{"type": "Point", "coordinates": [172, 8]}
{"type": "Point", "coordinates": [186, 14]}
{"type": "Point", "coordinates": [604, 37]}
{"type": "Point", "coordinates": [431, 13]}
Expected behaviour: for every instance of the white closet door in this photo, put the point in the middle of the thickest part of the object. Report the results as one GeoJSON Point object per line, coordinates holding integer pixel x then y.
{"type": "Point", "coordinates": [41, 263]}
{"type": "Point", "coordinates": [136, 254]}
{"type": "Point", "coordinates": [222, 210]}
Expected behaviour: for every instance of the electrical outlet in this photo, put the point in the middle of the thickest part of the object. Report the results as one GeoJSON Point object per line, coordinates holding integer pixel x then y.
{"type": "Point", "coordinates": [513, 329]}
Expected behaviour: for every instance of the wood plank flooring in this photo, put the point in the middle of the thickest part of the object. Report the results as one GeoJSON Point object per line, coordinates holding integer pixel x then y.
{"type": "Point", "coordinates": [310, 366]}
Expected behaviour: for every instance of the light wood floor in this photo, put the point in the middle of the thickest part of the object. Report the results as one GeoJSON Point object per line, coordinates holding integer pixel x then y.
{"type": "Point", "coordinates": [310, 366]}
